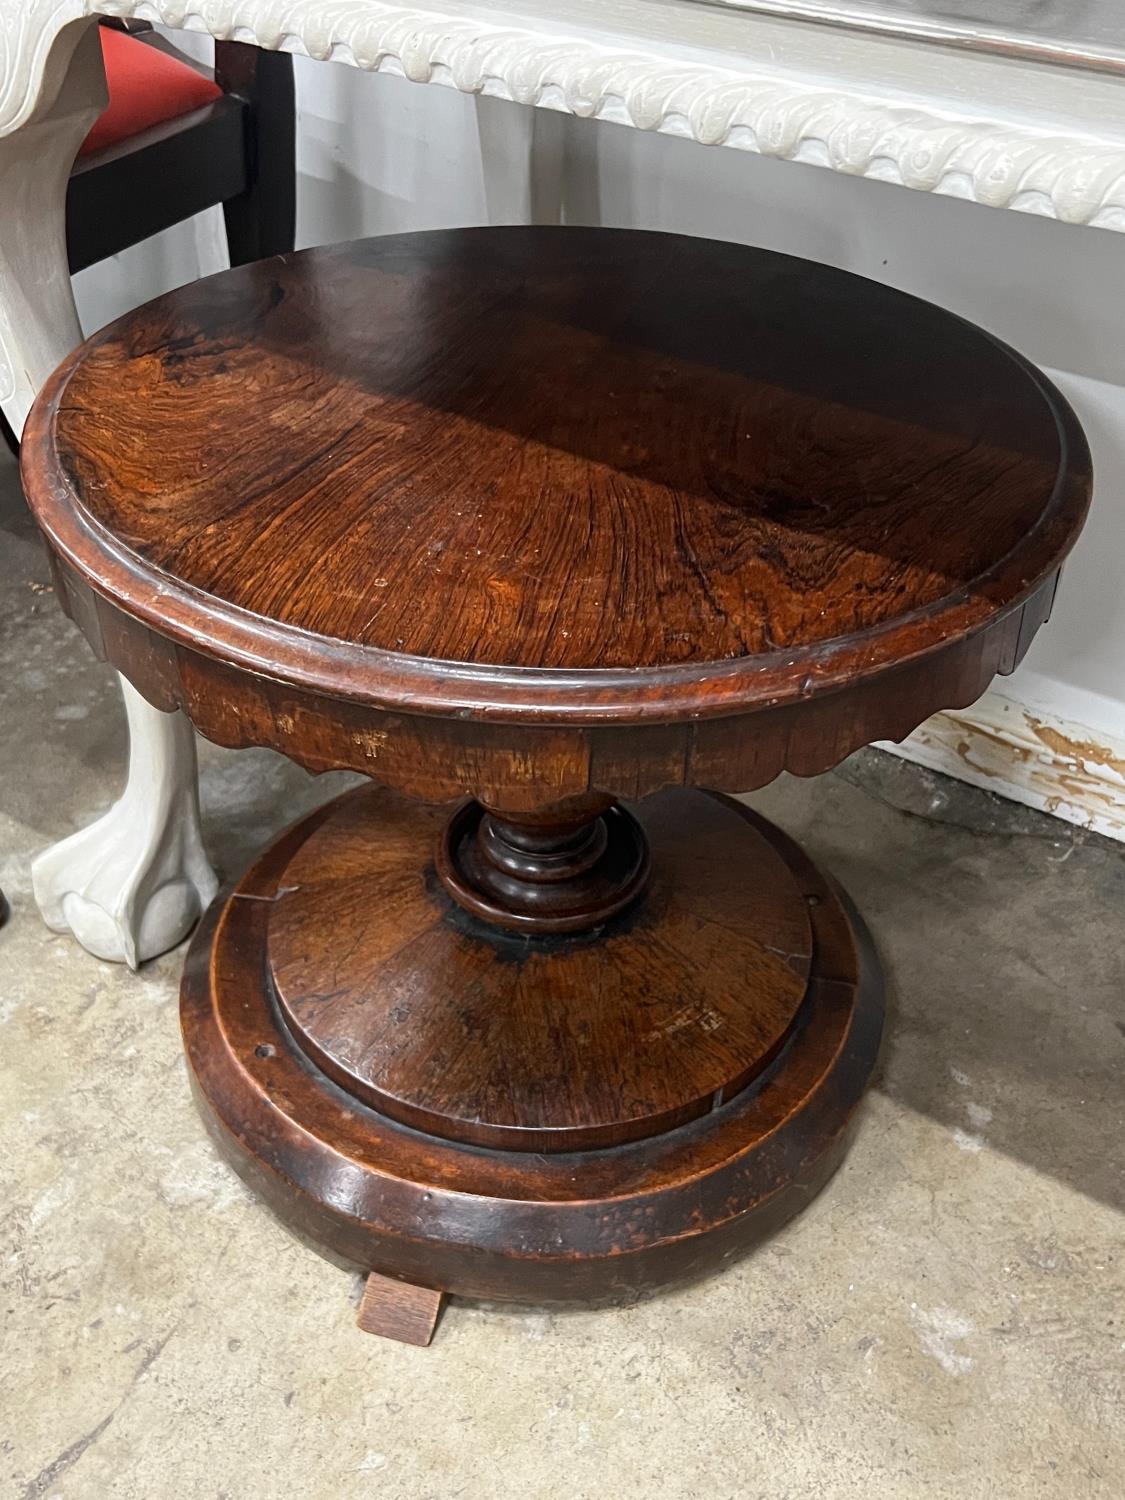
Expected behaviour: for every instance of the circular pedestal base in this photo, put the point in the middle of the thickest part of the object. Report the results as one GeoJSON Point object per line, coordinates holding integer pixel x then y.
{"type": "Point", "coordinates": [537, 1119]}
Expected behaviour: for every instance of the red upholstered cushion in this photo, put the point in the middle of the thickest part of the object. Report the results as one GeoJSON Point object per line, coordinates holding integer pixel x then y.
{"type": "Point", "coordinates": [146, 87]}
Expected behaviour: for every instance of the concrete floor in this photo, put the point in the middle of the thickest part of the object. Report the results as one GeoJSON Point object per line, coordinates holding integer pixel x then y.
{"type": "Point", "coordinates": [946, 1320]}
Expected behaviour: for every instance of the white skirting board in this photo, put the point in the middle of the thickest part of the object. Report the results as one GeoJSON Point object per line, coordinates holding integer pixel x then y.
{"type": "Point", "coordinates": [1029, 755]}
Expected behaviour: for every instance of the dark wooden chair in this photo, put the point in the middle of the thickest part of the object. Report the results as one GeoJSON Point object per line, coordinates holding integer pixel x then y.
{"type": "Point", "coordinates": [177, 138]}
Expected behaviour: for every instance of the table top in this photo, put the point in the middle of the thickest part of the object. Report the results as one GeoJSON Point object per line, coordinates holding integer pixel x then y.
{"type": "Point", "coordinates": [466, 468]}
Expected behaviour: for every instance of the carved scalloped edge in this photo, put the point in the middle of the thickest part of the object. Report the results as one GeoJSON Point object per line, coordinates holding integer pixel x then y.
{"type": "Point", "coordinates": [627, 788]}
{"type": "Point", "coordinates": [1074, 177]}
{"type": "Point", "coordinates": [787, 753]}
{"type": "Point", "coordinates": [438, 759]}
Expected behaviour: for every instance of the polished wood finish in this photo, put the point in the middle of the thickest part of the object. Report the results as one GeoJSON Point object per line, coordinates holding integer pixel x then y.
{"type": "Point", "coordinates": [559, 873]}
{"type": "Point", "coordinates": [552, 1224]}
{"type": "Point", "coordinates": [398, 1310]}
{"type": "Point", "coordinates": [549, 525]}
{"type": "Point", "coordinates": [545, 492]}
{"type": "Point", "coordinates": [530, 455]}
{"type": "Point", "coordinates": [536, 1045]}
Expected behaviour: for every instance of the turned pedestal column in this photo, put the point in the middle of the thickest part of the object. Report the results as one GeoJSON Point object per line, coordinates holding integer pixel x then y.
{"type": "Point", "coordinates": [560, 537]}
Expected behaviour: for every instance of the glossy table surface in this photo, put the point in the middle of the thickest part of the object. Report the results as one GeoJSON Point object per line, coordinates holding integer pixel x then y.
{"type": "Point", "coordinates": [530, 458]}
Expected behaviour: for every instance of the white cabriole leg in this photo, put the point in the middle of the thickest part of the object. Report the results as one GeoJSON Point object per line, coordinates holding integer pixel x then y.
{"type": "Point", "coordinates": [131, 885]}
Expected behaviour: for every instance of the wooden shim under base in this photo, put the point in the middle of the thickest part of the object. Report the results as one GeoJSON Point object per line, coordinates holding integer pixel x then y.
{"type": "Point", "coordinates": [399, 1310]}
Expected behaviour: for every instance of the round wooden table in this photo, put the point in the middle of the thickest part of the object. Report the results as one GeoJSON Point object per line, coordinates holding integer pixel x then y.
{"type": "Point", "coordinates": [558, 525]}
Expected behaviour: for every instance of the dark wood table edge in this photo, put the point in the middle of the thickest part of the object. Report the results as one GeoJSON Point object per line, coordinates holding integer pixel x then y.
{"type": "Point", "coordinates": [396, 681]}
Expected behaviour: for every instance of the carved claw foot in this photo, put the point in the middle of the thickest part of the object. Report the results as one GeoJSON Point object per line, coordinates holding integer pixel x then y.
{"type": "Point", "coordinates": [134, 883]}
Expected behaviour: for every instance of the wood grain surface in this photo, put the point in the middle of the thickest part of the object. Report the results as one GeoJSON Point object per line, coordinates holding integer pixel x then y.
{"type": "Point", "coordinates": [546, 518]}
{"type": "Point", "coordinates": [555, 1225]}
{"type": "Point", "coordinates": [555, 472]}
{"type": "Point", "coordinates": [650, 1021]}
{"type": "Point", "coordinates": [553, 875]}
{"type": "Point", "coordinates": [399, 1310]}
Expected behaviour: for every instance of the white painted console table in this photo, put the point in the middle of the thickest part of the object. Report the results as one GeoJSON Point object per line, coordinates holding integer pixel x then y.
{"type": "Point", "coordinates": [1028, 117]}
